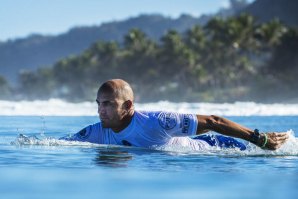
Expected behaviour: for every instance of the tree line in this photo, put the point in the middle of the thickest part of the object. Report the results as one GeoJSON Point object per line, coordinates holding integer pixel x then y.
{"type": "Point", "coordinates": [226, 60]}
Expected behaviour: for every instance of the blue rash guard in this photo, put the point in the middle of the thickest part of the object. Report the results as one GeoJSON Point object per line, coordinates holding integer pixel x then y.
{"type": "Point", "coordinates": [148, 130]}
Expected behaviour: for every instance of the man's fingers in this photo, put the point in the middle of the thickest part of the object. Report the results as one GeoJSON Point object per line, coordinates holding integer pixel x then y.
{"type": "Point", "coordinates": [278, 136]}
{"type": "Point", "coordinates": [282, 139]}
{"type": "Point", "coordinates": [276, 140]}
{"type": "Point", "coordinates": [282, 135]}
{"type": "Point", "coordinates": [280, 142]}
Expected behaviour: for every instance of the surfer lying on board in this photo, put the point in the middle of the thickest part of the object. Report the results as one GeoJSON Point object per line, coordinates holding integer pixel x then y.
{"type": "Point", "coordinates": [121, 124]}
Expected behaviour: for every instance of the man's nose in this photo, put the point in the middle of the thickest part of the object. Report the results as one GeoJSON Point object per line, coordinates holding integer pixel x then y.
{"type": "Point", "coordinates": [100, 109]}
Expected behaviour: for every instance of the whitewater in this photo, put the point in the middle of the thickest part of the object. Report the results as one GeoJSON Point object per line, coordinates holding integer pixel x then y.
{"type": "Point", "coordinates": [57, 107]}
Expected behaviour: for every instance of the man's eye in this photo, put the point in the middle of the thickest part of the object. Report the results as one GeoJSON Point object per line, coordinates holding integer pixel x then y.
{"type": "Point", "coordinates": [105, 104]}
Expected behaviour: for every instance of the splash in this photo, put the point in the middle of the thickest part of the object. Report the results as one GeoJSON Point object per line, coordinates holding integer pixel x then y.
{"type": "Point", "coordinates": [57, 107]}
{"type": "Point", "coordinates": [23, 140]}
{"type": "Point", "coordinates": [186, 145]}
{"type": "Point", "coordinates": [177, 145]}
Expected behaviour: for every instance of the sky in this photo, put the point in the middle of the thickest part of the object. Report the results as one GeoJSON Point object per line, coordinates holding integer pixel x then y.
{"type": "Point", "coordinates": [20, 18]}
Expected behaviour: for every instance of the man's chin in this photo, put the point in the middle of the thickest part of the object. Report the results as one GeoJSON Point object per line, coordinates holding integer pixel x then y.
{"type": "Point", "coordinates": [105, 124]}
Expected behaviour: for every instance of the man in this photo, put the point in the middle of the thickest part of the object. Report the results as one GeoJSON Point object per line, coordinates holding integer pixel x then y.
{"type": "Point", "coordinates": [121, 124]}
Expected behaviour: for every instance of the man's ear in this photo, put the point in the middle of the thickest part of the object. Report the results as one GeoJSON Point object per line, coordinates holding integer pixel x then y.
{"type": "Point", "coordinates": [127, 104]}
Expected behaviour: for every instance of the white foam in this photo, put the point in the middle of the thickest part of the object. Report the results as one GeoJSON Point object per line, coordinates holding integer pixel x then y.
{"type": "Point", "coordinates": [177, 145]}
{"type": "Point", "coordinates": [190, 146]}
{"type": "Point", "coordinates": [227, 109]}
{"type": "Point", "coordinates": [57, 107]}
{"type": "Point", "coordinates": [52, 107]}
{"type": "Point", "coordinates": [23, 140]}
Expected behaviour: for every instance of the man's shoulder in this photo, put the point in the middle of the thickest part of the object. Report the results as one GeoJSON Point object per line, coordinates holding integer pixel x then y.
{"type": "Point", "coordinates": [157, 114]}
{"type": "Point", "coordinates": [148, 114]}
{"type": "Point", "coordinates": [158, 117]}
{"type": "Point", "coordinates": [94, 128]}
{"type": "Point", "coordinates": [168, 119]}
{"type": "Point", "coordinates": [97, 124]}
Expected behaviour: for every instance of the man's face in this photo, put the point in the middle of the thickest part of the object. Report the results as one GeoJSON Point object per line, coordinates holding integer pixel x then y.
{"type": "Point", "coordinates": [110, 110]}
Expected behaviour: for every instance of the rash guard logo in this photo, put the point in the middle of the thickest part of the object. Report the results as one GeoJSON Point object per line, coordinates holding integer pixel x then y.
{"type": "Point", "coordinates": [186, 123]}
{"type": "Point", "coordinates": [126, 143]}
{"type": "Point", "coordinates": [84, 133]}
{"type": "Point", "coordinates": [167, 120]}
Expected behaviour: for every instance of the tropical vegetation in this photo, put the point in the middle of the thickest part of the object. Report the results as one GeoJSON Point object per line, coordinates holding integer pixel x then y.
{"type": "Point", "coordinates": [233, 59]}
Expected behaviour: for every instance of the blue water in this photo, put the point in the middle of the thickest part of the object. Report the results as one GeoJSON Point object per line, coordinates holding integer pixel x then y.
{"type": "Point", "coordinates": [45, 167]}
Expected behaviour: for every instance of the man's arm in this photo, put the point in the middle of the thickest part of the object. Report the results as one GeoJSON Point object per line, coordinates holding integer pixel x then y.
{"type": "Point", "coordinates": [229, 128]}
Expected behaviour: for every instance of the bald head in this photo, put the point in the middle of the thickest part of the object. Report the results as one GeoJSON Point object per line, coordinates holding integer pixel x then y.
{"type": "Point", "coordinates": [117, 87]}
{"type": "Point", "coordinates": [115, 104]}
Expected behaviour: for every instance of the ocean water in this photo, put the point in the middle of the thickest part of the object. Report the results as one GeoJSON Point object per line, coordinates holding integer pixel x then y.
{"type": "Point", "coordinates": [35, 164]}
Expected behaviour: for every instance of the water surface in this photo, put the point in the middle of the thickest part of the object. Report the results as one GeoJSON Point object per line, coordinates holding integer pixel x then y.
{"type": "Point", "coordinates": [44, 167]}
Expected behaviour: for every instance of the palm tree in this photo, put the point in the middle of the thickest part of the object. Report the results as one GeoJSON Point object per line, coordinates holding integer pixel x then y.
{"type": "Point", "coordinates": [229, 45]}
{"type": "Point", "coordinates": [137, 41]}
{"type": "Point", "coordinates": [270, 33]}
{"type": "Point", "coordinates": [5, 90]}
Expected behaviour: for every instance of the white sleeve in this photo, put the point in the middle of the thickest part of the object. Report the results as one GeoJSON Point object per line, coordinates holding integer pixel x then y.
{"type": "Point", "coordinates": [175, 124]}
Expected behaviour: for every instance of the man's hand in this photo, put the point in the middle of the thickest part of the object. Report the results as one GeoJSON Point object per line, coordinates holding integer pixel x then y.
{"type": "Point", "coordinates": [274, 140]}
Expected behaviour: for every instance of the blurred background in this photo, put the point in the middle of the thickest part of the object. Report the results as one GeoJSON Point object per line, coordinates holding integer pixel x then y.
{"type": "Point", "coordinates": [171, 51]}
{"type": "Point", "coordinates": [190, 50]}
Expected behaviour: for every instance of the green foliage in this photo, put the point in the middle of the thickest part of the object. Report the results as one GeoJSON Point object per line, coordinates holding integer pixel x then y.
{"type": "Point", "coordinates": [5, 90]}
{"type": "Point", "coordinates": [226, 60]}
{"type": "Point", "coordinates": [284, 63]}
{"type": "Point", "coordinates": [37, 85]}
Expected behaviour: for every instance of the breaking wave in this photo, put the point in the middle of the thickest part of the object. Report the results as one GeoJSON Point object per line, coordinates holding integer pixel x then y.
{"type": "Point", "coordinates": [57, 107]}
